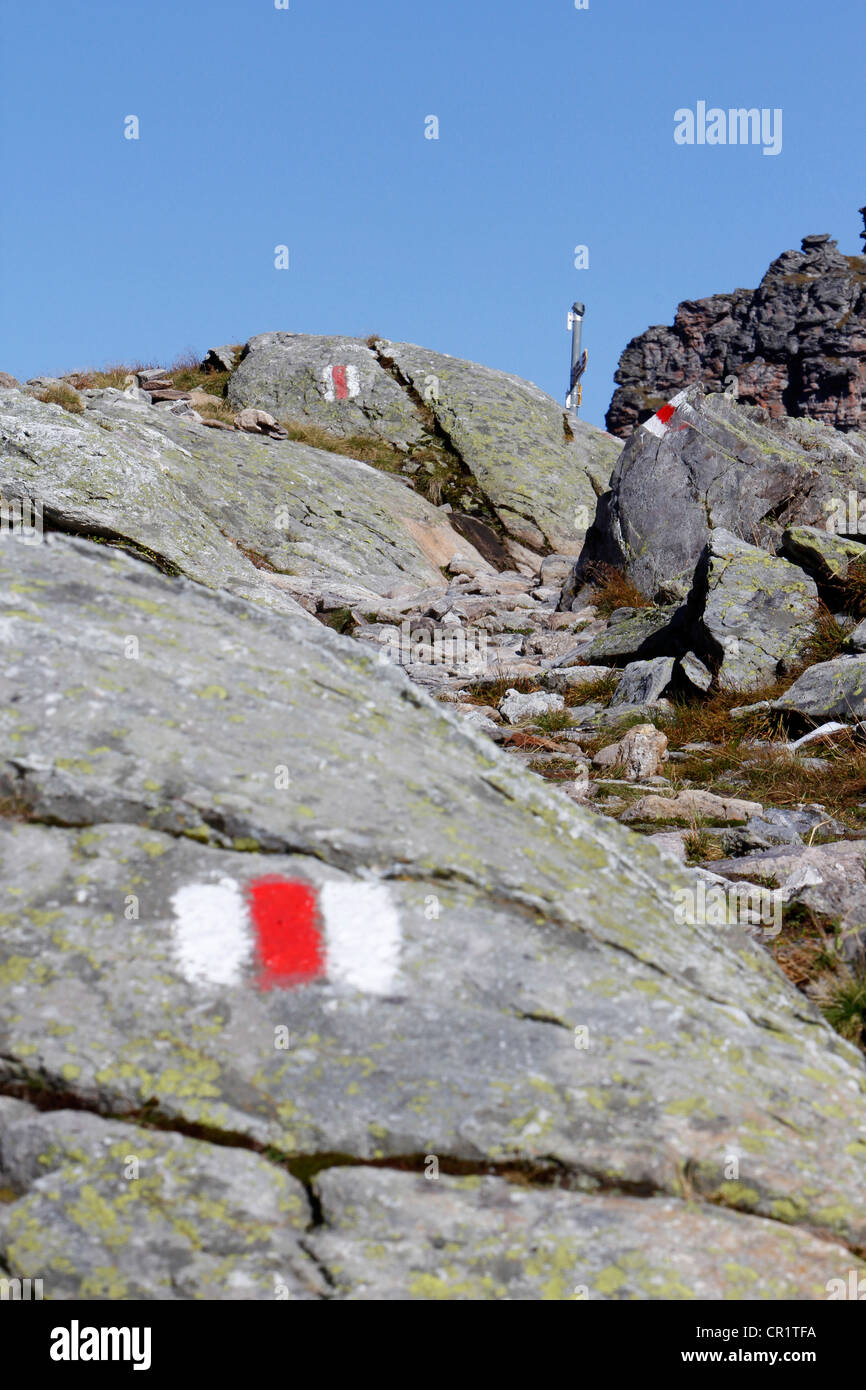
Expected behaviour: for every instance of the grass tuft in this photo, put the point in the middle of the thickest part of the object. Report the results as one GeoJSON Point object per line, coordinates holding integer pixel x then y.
{"type": "Point", "coordinates": [853, 589]}
{"type": "Point", "coordinates": [64, 396]}
{"type": "Point", "coordinates": [701, 846]}
{"type": "Point", "coordinates": [614, 590]}
{"type": "Point", "coordinates": [376, 452]}
{"type": "Point", "coordinates": [553, 721]}
{"type": "Point", "coordinates": [844, 1006]}
{"type": "Point", "coordinates": [484, 693]}
{"type": "Point", "coordinates": [827, 639]}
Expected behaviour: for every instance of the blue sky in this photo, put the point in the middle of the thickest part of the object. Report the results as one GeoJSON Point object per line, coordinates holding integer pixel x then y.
{"type": "Point", "coordinates": [305, 127]}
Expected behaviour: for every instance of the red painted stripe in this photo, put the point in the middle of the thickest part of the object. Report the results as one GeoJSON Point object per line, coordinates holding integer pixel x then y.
{"type": "Point", "coordinates": [288, 931]}
{"type": "Point", "coordinates": [665, 413]}
{"type": "Point", "coordinates": [340, 384]}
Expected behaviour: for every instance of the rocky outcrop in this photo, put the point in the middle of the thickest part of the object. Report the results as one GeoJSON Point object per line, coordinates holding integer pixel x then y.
{"type": "Point", "coordinates": [266, 519]}
{"type": "Point", "coordinates": [713, 463]}
{"type": "Point", "coordinates": [795, 346]}
{"type": "Point", "coordinates": [479, 1023]}
{"type": "Point", "coordinates": [496, 447]}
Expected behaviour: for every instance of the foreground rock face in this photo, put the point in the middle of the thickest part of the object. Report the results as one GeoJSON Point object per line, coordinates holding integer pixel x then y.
{"type": "Point", "coordinates": [512, 450]}
{"type": "Point", "coordinates": [795, 346]}
{"type": "Point", "coordinates": [717, 464]}
{"type": "Point", "coordinates": [503, 988]}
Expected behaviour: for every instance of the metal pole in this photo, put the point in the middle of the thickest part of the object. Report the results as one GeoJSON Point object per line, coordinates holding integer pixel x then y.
{"type": "Point", "coordinates": [578, 358]}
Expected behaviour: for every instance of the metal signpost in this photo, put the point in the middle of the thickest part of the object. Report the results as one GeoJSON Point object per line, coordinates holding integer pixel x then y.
{"type": "Point", "coordinates": [578, 358]}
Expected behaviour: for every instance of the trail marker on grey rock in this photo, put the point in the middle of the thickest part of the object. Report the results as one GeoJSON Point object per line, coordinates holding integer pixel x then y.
{"type": "Point", "coordinates": [538, 904]}
{"type": "Point", "coordinates": [509, 447]}
{"type": "Point", "coordinates": [731, 468]}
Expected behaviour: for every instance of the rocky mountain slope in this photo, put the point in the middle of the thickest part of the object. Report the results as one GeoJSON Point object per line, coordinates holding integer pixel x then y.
{"type": "Point", "coordinates": [376, 962]}
{"type": "Point", "coordinates": [795, 346]}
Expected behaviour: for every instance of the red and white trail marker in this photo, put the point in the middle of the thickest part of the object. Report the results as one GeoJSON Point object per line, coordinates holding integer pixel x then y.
{"type": "Point", "coordinates": [286, 933]}
{"type": "Point", "coordinates": [660, 423]}
{"type": "Point", "coordinates": [341, 382]}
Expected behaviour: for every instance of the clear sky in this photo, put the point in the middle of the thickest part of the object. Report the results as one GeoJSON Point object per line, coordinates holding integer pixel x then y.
{"type": "Point", "coordinates": [305, 127]}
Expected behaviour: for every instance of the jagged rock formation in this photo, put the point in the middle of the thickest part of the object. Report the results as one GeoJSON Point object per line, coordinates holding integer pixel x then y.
{"type": "Point", "coordinates": [506, 990]}
{"type": "Point", "coordinates": [794, 346]}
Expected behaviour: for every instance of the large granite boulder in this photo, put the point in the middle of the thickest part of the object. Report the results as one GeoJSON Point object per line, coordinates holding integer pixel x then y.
{"type": "Point", "coordinates": [828, 690]}
{"type": "Point", "coordinates": [513, 451]}
{"type": "Point", "coordinates": [794, 346]}
{"type": "Point", "coordinates": [713, 463]}
{"type": "Point", "coordinates": [335, 382]}
{"type": "Point", "coordinates": [758, 612]}
{"type": "Point", "coordinates": [260, 893]}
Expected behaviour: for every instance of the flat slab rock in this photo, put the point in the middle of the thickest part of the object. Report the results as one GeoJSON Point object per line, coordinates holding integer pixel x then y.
{"type": "Point", "coordinates": [631, 634]}
{"type": "Point", "coordinates": [643, 682]}
{"type": "Point", "coordinates": [481, 1238]}
{"type": "Point", "coordinates": [693, 806]}
{"type": "Point", "coordinates": [469, 923]}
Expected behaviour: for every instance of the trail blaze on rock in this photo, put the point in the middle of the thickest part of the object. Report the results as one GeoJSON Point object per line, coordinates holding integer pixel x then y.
{"type": "Point", "coordinates": [288, 931]}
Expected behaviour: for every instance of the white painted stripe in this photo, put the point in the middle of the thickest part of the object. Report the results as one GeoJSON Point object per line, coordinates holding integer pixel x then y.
{"type": "Point", "coordinates": [362, 935]}
{"type": "Point", "coordinates": [212, 940]}
{"type": "Point", "coordinates": [655, 427]}
{"type": "Point", "coordinates": [353, 380]}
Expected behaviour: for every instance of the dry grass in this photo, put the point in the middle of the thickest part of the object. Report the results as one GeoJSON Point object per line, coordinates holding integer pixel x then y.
{"type": "Point", "coordinates": [614, 590]}
{"type": "Point", "coordinates": [809, 951]}
{"type": "Point", "coordinates": [841, 996]}
{"type": "Point", "coordinates": [116, 375]}
{"type": "Point", "coordinates": [776, 777]}
{"type": "Point", "coordinates": [596, 692]}
{"type": "Point", "coordinates": [184, 372]}
{"type": "Point", "coordinates": [63, 396]}
{"type": "Point", "coordinates": [701, 846]}
{"type": "Point", "coordinates": [853, 589]}
{"type": "Point", "coordinates": [553, 721]}
{"type": "Point", "coordinates": [708, 720]}
{"type": "Point", "coordinates": [216, 408]}
{"type": "Point", "coordinates": [432, 476]}
{"type": "Point", "coordinates": [491, 693]}
{"type": "Point", "coordinates": [807, 948]}
{"type": "Point", "coordinates": [554, 770]}
{"type": "Point", "coordinates": [827, 640]}
{"type": "Point", "coordinates": [376, 452]}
